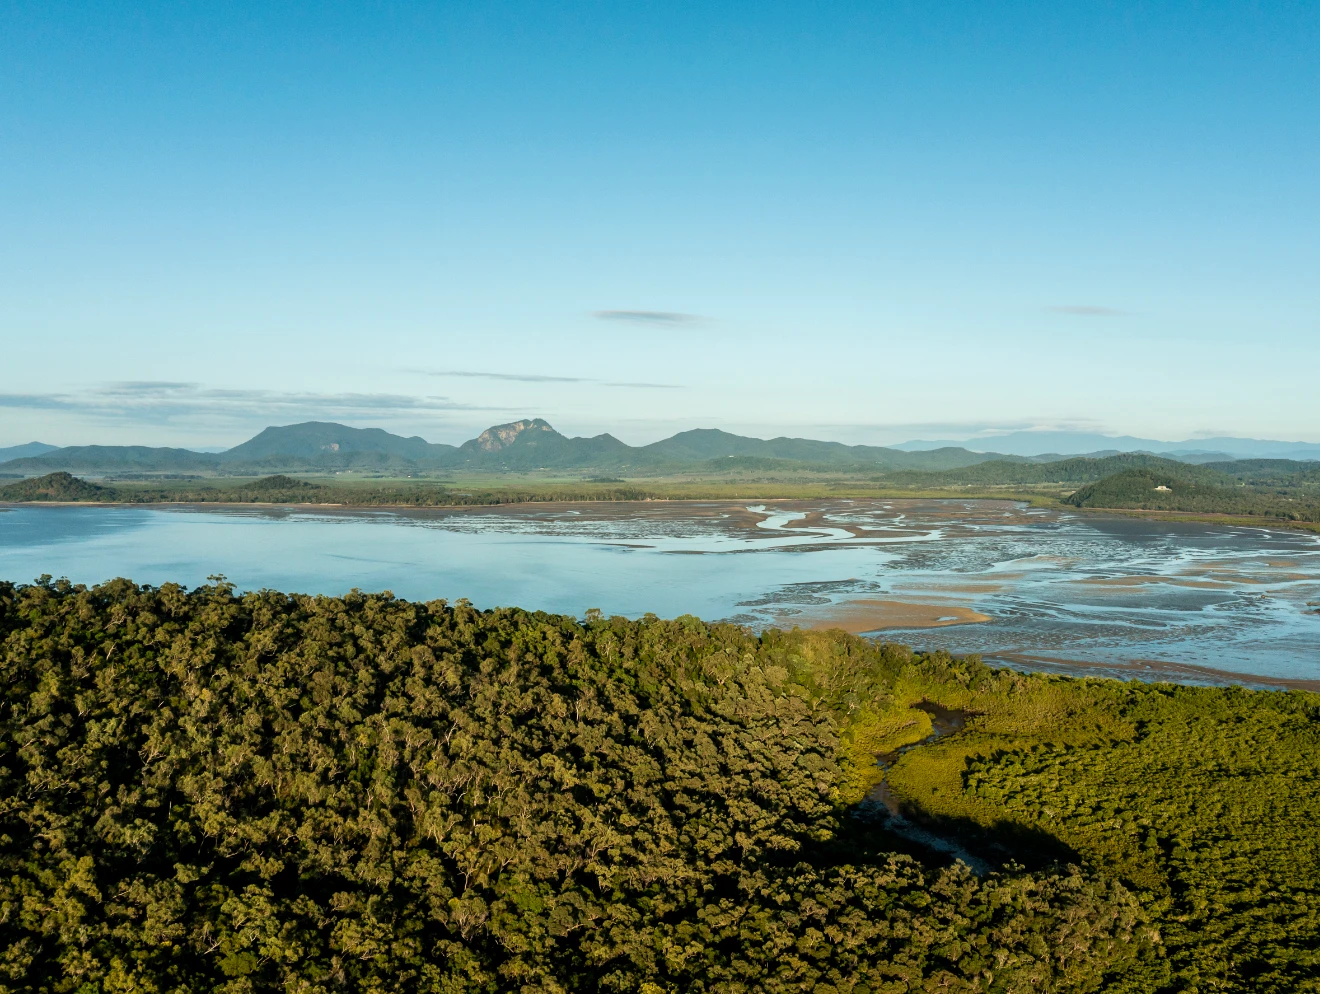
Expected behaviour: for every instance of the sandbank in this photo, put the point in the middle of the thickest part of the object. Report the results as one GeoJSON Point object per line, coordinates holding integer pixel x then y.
{"type": "Point", "coordinates": [860, 616]}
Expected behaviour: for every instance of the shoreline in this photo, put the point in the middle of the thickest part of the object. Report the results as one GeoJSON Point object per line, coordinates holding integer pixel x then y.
{"type": "Point", "coordinates": [1146, 671]}
{"type": "Point", "coordinates": [881, 616]}
{"type": "Point", "coordinates": [1203, 517]}
{"type": "Point", "coordinates": [1038, 501]}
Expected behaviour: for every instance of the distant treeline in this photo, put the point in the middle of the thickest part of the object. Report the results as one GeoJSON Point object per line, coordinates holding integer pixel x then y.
{"type": "Point", "coordinates": [64, 487]}
{"type": "Point", "coordinates": [1278, 489]}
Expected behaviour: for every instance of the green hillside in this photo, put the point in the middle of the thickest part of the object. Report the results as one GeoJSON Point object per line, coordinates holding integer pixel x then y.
{"type": "Point", "coordinates": [55, 487]}
{"type": "Point", "coordinates": [25, 450]}
{"type": "Point", "coordinates": [704, 446]}
{"type": "Point", "coordinates": [93, 458]}
{"type": "Point", "coordinates": [1271, 472]}
{"type": "Point", "coordinates": [320, 443]}
{"type": "Point", "coordinates": [212, 792]}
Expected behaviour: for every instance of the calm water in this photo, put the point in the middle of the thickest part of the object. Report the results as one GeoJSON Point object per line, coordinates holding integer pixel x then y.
{"type": "Point", "coordinates": [1125, 595]}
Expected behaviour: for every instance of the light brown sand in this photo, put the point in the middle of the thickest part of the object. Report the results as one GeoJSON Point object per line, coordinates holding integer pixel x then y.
{"type": "Point", "coordinates": [872, 615]}
{"type": "Point", "coordinates": [969, 587]}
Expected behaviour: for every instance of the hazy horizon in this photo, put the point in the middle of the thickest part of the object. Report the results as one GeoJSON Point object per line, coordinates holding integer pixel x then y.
{"type": "Point", "coordinates": [850, 223]}
{"type": "Point", "coordinates": [849, 434]}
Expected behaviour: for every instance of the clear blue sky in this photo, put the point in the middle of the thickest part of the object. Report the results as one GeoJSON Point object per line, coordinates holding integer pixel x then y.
{"type": "Point", "coordinates": [859, 221]}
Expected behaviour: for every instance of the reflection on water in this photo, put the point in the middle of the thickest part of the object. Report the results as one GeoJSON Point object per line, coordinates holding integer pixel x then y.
{"type": "Point", "coordinates": [1059, 587]}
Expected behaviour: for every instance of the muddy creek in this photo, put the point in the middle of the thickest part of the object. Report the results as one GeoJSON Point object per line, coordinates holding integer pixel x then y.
{"type": "Point", "coordinates": [882, 805]}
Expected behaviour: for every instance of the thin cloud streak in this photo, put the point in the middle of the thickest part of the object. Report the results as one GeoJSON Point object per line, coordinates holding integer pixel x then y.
{"type": "Point", "coordinates": [514, 377]}
{"type": "Point", "coordinates": [160, 403]}
{"type": "Point", "coordinates": [536, 378]}
{"type": "Point", "coordinates": [647, 317]}
{"type": "Point", "coordinates": [1086, 310]}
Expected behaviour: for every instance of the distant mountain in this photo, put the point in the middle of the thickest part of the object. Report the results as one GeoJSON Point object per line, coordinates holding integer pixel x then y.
{"type": "Point", "coordinates": [25, 450]}
{"type": "Point", "coordinates": [1033, 443]}
{"type": "Point", "coordinates": [319, 441]}
{"type": "Point", "coordinates": [100, 458]}
{"type": "Point", "coordinates": [532, 444]}
{"type": "Point", "coordinates": [703, 444]}
{"type": "Point", "coordinates": [1246, 448]}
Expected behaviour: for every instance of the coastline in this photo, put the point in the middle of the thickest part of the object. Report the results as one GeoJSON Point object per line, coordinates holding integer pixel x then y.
{"type": "Point", "coordinates": [745, 493]}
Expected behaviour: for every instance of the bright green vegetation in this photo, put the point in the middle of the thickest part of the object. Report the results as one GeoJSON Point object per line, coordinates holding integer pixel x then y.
{"type": "Point", "coordinates": [201, 791]}
{"type": "Point", "coordinates": [1202, 801]}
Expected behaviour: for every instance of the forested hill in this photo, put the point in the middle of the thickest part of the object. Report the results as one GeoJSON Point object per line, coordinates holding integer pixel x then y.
{"type": "Point", "coordinates": [1293, 497]}
{"type": "Point", "coordinates": [999, 472]}
{"type": "Point", "coordinates": [25, 450]}
{"type": "Point", "coordinates": [212, 792]}
{"type": "Point", "coordinates": [533, 445]}
{"type": "Point", "coordinates": [63, 487]}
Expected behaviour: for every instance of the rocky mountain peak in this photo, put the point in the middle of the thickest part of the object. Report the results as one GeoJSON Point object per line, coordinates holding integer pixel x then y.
{"type": "Point", "coordinates": [502, 436]}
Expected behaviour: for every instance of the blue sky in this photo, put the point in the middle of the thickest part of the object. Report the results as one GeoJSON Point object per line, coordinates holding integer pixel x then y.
{"type": "Point", "coordinates": [869, 222]}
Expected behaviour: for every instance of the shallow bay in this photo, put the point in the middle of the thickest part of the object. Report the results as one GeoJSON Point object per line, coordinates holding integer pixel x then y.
{"type": "Point", "coordinates": [1058, 590]}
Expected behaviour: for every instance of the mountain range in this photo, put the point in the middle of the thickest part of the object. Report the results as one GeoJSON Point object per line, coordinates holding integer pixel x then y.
{"type": "Point", "coordinates": [1071, 443]}
{"type": "Point", "coordinates": [25, 450]}
{"type": "Point", "coordinates": [531, 445]}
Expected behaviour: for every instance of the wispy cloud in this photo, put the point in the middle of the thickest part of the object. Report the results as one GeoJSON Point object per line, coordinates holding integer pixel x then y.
{"type": "Point", "coordinates": [537, 378]}
{"type": "Point", "coordinates": [37, 402]}
{"type": "Point", "coordinates": [1086, 310]}
{"type": "Point", "coordinates": [647, 317]}
{"type": "Point", "coordinates": [515, 377]}
{"type": "Point", "coordinates": [168, 402]}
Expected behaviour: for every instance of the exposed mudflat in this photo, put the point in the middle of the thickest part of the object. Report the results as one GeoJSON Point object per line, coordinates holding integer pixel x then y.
{"type": "Point", "coordinates": [868, 615]}
{"type": "Point", "coordinates": [1028, 587]}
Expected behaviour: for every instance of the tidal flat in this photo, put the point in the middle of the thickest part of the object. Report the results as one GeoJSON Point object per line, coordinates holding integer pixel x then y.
{"type": "Point", "coordinates": [1029, 587]}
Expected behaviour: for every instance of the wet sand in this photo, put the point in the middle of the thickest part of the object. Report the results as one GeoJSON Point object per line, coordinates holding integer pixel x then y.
{"type": "Point", "coordinates": [1138, 581]}
{"type": "Point", "coordinates": [860, 616]}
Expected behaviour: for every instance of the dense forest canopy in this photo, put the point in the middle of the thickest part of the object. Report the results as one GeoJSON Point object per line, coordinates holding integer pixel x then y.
{"type": "Point", "coordinates": [1294, 497]}
{"type": "Point", "coordinates": [211, 791]}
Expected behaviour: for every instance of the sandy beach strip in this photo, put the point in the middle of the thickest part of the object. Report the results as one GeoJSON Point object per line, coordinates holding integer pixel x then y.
{"type": "Point", "coordinates": [860, 616]}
